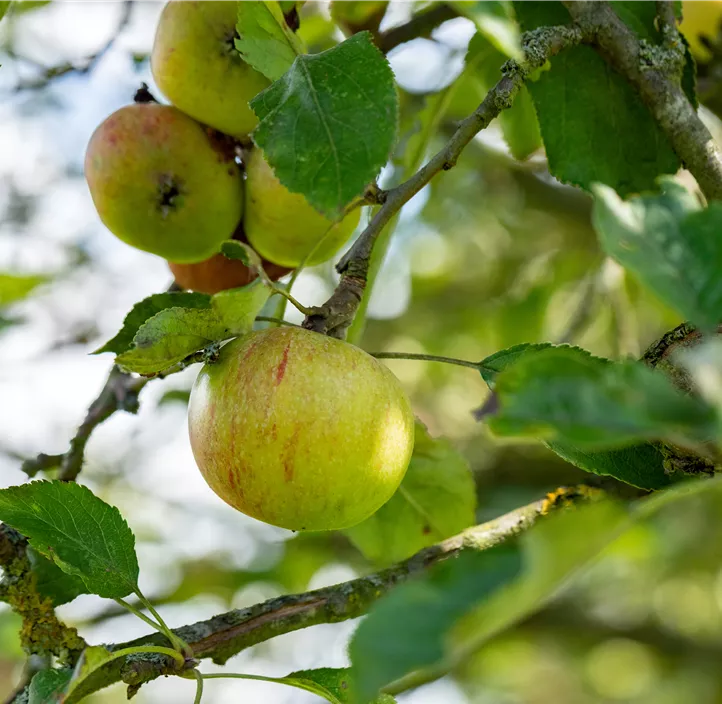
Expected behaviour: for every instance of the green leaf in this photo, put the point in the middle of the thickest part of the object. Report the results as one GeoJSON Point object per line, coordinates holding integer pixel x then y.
{"type": "Point", "coordinates": [233, 249]}
{"type": "Point", "coordinates": [564, 394]}
{"type": "Point", "coordinates": [15, 287]}
{"type": "Point", "coordinates": [640, 465]}
{"type": "Point", "coordinates": [173, 333]}
{"type": "Point", "coordinates": [493, 19]}
{"type": "Point", "coordinates": [52, 582]}
{"type": "Point", "coordinates": [145, 310]}
{"type": "Point", "coordinates": [48, 686]}
{"type": "Point", "coordinates": [328, 125]}
{"type": "Point", "coordinates": [494, 364]}
{"type": "Point", "coordinates": [170, 336]}
{"type": "Point", "coordinates": [79, 532]}
{"type": "Point", "coordinates": [406, 629]}
{"type": "Point", "coordinates": [334, 683]}
{"type": "Point", "coordinates": [91, 660]}
{"type": "Point", "coordinates": [580, 102]}
{"type": "Point", "coordinates": [670, 244]}
{"type": "Point", "coordinates": [437, 499]}
{"type": "Point", "coordinates": [265, 40]}
{"type": "Point", "coordinates": [237, 308]}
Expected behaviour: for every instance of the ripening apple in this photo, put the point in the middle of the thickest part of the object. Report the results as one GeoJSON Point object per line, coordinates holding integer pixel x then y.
{"type": "Point", "coordinates": [159, 185]}
{"type": "Point", "coordinates": [701, 18]}
{"type": "Point", "coordinates": [218, 273]}
{"type": "Point", "coordinates": [198, 68]}
{"type": "Point", "coordinates": [282, 226]}
{"type": "Point", "coordinates": [300, 430]}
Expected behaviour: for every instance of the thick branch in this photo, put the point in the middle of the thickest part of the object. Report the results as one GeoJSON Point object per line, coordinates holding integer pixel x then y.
{"type": "Point", "coordinates": [655, 73]}
{"type": "Point", "coordinates": [334, 317]}
{"type": "Point", "coordinates": [42, 633]}
{"type": "Point", "coordinates": [225, 635]}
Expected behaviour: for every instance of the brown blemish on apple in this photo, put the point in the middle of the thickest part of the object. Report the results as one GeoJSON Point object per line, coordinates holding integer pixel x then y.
{"type": "Point", "coordinates": [281, 370]}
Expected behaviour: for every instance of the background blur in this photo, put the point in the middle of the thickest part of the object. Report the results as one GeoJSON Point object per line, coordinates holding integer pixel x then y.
{"type": "Point", "coordinates": [493, 253]}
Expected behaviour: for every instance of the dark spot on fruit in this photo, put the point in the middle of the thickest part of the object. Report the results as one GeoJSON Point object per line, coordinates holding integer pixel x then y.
{"type": "Point", "coordinates": [426, 529]}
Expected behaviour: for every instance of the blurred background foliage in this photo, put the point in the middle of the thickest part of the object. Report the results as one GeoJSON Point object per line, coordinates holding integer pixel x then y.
{"type": "Point", "coordinates": [492, 253]}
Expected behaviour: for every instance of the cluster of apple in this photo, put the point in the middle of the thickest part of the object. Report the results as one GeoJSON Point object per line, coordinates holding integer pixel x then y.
{"type": "Point", "coordinates": [168, 180]}
{"type": "Point", "coordinates": [288, 426]}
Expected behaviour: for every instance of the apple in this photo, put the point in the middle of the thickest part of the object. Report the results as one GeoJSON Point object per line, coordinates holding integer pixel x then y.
{"type": "Point", "coordinates": [159, 185]}
{"type": "Point", "coordinates": [282, 226]}
{"type": "Point", "coordinates": [196, 65]}
{"type": "Point", "coordinates": [300, 430]}
{"type": "Point", "coordinates": [219, 273]}
{"type": "Point", "coordinates": [701, 18]}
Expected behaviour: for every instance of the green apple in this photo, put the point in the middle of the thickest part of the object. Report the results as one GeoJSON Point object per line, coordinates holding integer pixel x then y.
{"type": "Point", "coordinates": [282, 226]}
{"type": "Point", "coordinates": [158, 183]}
{"type": "Point", "coordinates": [300, 430]}
{"type": "Point", "coordinates": [197, 67]}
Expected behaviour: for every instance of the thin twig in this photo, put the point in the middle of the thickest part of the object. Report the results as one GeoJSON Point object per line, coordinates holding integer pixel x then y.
{"type": "Point", "coordinates": [334, 316]}
{"type": "Point", "coordinates": [420, 25]}
{"type": "Point", "coordinates": [426, 358]}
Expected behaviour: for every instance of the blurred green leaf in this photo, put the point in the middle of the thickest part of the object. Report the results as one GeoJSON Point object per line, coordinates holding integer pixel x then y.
{"type": "Point", "coordinates": [4, 7]}
{"type": "Point", "coordinates": [353, 16]}
{"type": "Point", "coordinates": [265, 40]}
{"type": "Point", "coordinates": [564, 394]}
{"type": "Point", "coordinates": [494, 20]}
{"type": "Point", "coordinates": [48, 686]}
{"type": "Point", "coordinates": [146, 309]}
{"type": "Point", "coordinates": [175, 396]}
{"type": "Point", "coordinates": [437, 499]}
{"type": "Point", "coordinates": [79, 532]}
{"type": "Point", "coordinates": [554, 550]}
{"type": "Point", "coordinates": [15, 287]}
{"type": "Point", "coordinates": [670, 243]}
{"type": "Point", "coordinates": [594, 125]}
{"type": "Point", "coordinates": [61, 587]}
{"type": "Point", "coordinates": [328, 125]}
{"type": "Point", "coordinates": [407, 629]}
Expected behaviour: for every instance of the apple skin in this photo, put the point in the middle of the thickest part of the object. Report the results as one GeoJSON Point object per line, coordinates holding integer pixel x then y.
{"type": "Point", "coordinates": [219, 274]}
{"type": "Point", "coordinates": [159, 185]}
{"type": "Point", "coordinates": [300, 430]}
{"type": "Point", "coordinates": [197, 67]}
{"type": "Point", "coordinates": [282, 226]}
{"type": "Point", "coordinates": [700, 18]}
